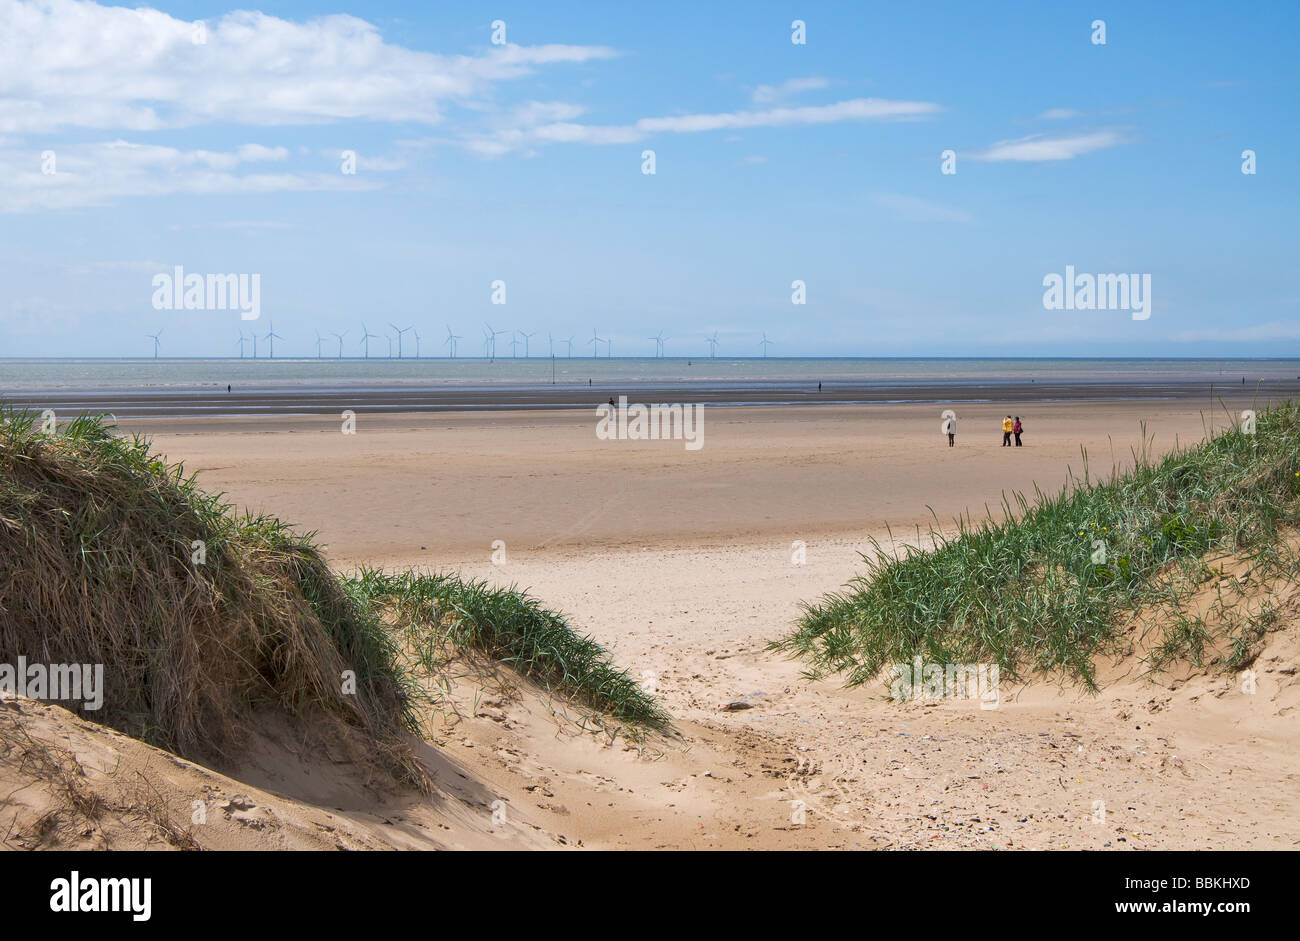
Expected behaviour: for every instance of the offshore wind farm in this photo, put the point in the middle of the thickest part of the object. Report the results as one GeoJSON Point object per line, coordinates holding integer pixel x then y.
{"type": "Point", "coordinates": [708, 345]}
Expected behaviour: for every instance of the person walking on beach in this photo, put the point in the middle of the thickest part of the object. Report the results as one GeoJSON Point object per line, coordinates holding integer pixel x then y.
{"type": "Point", "coordinates": [1007, 426]}
{"type": "Point", "coordinates": [1016, 429]}
{"type": "Point", "coordinates": [950, 428]}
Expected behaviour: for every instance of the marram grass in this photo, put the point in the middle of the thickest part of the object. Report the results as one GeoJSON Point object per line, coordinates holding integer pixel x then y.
{"type": "Point", "coordinates": [98, 564]}
{"type": "Point", "coordinates": [441, 613]}
{"type": "Point", "coordinates": [1052, 583]}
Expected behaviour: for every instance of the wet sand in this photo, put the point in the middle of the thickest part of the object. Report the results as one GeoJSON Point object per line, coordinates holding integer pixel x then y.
{"type": "Point", "coordinates": [370, 398]}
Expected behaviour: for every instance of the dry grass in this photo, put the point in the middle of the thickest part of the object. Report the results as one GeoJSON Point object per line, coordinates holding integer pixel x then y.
{"type": "Point", "coordinates": [97, 543]}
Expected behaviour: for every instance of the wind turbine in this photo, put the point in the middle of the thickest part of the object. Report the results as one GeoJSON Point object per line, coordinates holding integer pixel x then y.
{"type": "Point", "coordinates": [595, 342]}
{"type": "Point", "coordinates": [765, 343]}
{"type": "Point", "coordinates": [609, 347]}
{"type": "Point", "coordinates": [514, 344]}
{"type": "Point", "coordinates": [340, 338]}
{"type": "Point", "coordinates": [570, 342]}
{"type": "Point", "coordinates": [400, 331]}
{"type": "Point", "coordinates": [527, 337]}
{"type": "Point", "coordinates": [494, 333]}
{"type": "Point", "coordinates": [154, 337]}
{"type": "Point", "coordinates": [272, 336]}
{"type": "Point", "coordinates": [318, 343]}
{"type": "Point", "coordinates": [417, 342]}
{"type": "Point", "coordinates": [713, 344]}
{"type": "Point", "coordinates": [451, 343]}
{"type": "Point", "coordinates": [366, 337]}
{"type": "Point", "coordinates": [242, 340]}
{"type": "Point", "coordinates": [487, 343]}
{"type": "Point", "coordinates": [659, 344]}
{"type": "Point", "coordinates": [390, 345]}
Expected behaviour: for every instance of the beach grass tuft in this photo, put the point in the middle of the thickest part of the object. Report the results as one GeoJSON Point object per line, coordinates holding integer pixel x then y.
{"type": "Point", "coordinates": [442, 615]}
{"type": "Point", "coordinates": [1051, 582]}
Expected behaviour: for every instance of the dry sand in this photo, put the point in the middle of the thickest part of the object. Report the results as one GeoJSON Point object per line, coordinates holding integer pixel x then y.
{"type": "Point", "coordinates": [681, 563]}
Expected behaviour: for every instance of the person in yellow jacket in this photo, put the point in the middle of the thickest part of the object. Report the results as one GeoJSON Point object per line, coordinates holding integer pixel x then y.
{"type": "Point", "coordinates": [1007, 425]}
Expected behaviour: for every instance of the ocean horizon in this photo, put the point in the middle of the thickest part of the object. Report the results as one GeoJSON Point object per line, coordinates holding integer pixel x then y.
{"type": "Point", "coordinates": [120, 374]}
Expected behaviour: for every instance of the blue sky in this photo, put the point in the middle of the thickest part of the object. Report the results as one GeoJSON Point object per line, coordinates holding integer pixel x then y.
{"type": "Point", "coordinates": [774, 162]}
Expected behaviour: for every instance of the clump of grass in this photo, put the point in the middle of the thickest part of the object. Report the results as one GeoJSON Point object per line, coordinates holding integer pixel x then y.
{"type": "Point", "coordinates": [111, 556]}
{"type": "Point", "coordinates": [1032, 592]}
{"type": "Point", "coordinates": [442, 615]}
{"type": "Point", "coordinates": [201, 614]}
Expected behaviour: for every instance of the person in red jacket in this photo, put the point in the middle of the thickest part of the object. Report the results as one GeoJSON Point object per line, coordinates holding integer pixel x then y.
{"type": "Point", "coordinates": [1016, 429]}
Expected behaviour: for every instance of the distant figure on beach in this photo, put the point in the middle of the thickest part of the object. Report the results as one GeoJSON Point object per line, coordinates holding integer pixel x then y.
{"type": "Point", "coordinates": [611, 401]}
{"type": "Point", "coordinates": [950, 428]}
{"type": "Point", "coordinates": [1007, 426]}
{"type": "Point", "coordinates": [819, 387]}
{"type": "Point", "coordinates": [588, 382]}
{"type": "Point", "coordinates": [1016, 429]}
{"type": "Point", "coordinates": [227, 388]}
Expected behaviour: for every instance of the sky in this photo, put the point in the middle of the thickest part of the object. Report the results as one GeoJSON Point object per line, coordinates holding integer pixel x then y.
{"type": "Point", "coordinates": [212, 137]}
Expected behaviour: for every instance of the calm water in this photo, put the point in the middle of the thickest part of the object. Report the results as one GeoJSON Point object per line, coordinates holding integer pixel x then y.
{"type": "Point", "coordinates": [113, 374]}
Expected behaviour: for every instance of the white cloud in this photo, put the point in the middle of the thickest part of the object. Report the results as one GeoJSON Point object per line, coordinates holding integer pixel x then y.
{"type": "Point", "coordinates": [857, 109]}
{"type": "Point", "coordinates": [770, 94]}
{"type": "Point", "coordinates": [1039, 147]}
{"type": "Point", "coordinates": [75, 63]}
{"type": "Point", "coordinates": [532, 113]}
{"type": "Point", "coordinates": [97, 174]}
{"type": "Point", "coordinates": [1059, 114]}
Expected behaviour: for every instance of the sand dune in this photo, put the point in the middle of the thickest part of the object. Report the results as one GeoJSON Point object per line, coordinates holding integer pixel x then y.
{"type": "Point", "coordinates": [681, 563]}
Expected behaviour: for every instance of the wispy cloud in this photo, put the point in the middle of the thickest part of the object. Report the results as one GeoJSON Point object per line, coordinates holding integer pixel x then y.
{"type": "Point", "coordinates": [98, 174]}
{"type": "Point", "coordinates": [771, 94]}
{"type": "Point", "coordinates": [1059, 114]}
{"type": "Point", "coordinates": [1041, 147]}
{"type": "Point", "coordinates": [914, 209]}
{"type": "Point", "coordinates": [857, 109]}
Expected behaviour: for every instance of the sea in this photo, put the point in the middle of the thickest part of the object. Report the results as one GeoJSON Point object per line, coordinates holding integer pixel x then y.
{"type": "Point", "coordinates": [111, 374]}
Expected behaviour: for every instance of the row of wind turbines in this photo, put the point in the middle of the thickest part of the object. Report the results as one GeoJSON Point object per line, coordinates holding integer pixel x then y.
{"type": "Point", "coordinates": [490, 334]}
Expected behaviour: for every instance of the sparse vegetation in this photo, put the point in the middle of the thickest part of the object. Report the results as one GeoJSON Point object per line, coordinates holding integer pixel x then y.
{"type": "Point", "coordinates": [441, 616]}
{"type": "Point", "coordinates": [1052, 583]}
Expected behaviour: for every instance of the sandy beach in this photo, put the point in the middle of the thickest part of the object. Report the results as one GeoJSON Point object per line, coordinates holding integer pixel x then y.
{"type": "Point", "coordinates": [438, 490]}
{"type": "Point", "coordinates": [683, 563]}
